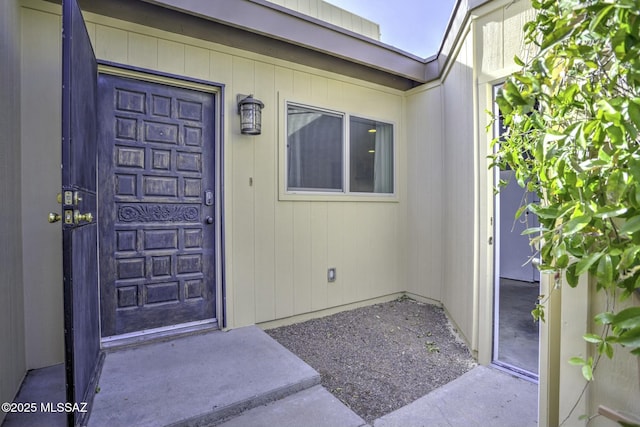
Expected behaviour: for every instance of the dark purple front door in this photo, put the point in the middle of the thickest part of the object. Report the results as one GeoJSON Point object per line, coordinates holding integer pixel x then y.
{"type": "Point", "coordinates": [79, 228]}
{"type": "Point", "coordinates": [156, 183]}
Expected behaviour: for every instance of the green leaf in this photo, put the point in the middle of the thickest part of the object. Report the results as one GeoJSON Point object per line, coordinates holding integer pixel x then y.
{"type": "Point", "coordinates": [577, 361]}
{"type": "Point", "coordinates": [604, 273]}
{"type": "Point", "coordinates": [604, 318]}
{"type": "Point", "coordinates": [587, 372]}
{"type": "Point", "coordinates": [634, 112]}
{"type": "Point", "coordinates": [628, 257]}
{"type": "Point", "coordinates": [571, 276]}
{"type": "Point", "coordinates": [599, 17]}
{"type": "Point", "coordinates": [592, 338]}
{"type": "Point", "coordinates": [631, 225]}
{"type": "Point", "coordinates": [630, 338]}
{"type": "Point", "coordinates": [608, 111]}
{"type": "Point", "coordinates": [610, 211]}
{"type": "Point", "coordinates": [585, 263]}
{"type": "Point", "coordinates": [616, 186]}
{"type": "Point", "coordinates": [627, 319]}
{"type": "Point", "coordinates": [546, 212]}
{"type": "Point", "coordinates": [605, 348]}
{"type": "Point", "coordinates": [576, 224]}
{"type": "Point", "coordinates": [518, 61]}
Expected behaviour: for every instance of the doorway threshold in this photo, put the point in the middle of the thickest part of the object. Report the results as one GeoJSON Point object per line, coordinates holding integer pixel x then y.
{"type": "Point", "coordinates": [159, 334]}
{"type": "Point", "coordinates": [515, 371]}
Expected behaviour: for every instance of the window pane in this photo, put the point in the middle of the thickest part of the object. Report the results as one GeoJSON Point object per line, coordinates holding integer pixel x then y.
{"type": "Point", "coordinates": [371, 156]}
{"type": "Point", "coordinates": [314, 150]}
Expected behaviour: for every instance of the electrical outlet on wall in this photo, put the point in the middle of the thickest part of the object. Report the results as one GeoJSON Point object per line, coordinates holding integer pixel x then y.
{"type": "Point", "coordinates": [331, 274]}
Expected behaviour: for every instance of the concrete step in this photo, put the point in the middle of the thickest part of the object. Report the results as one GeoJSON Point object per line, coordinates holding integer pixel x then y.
{"type": "Point", "coordinates": [314, 406]}
{"type": "Point", "coordinates": [197, 380]}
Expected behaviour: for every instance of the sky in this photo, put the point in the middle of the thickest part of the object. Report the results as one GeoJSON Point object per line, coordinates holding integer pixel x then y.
{"type": "Point", "coordinates": [415, 26]}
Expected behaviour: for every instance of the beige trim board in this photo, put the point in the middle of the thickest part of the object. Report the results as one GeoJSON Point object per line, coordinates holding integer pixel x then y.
{"type": "Point", "coordinates": [333, 310]}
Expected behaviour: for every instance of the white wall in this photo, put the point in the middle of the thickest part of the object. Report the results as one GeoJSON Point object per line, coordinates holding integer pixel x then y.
{"type": "Point", "coordinates": [12, 350]}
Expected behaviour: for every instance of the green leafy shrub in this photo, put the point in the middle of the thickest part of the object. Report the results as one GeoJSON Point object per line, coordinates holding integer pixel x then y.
{"type": "Point", "coordinates": [573, 118]}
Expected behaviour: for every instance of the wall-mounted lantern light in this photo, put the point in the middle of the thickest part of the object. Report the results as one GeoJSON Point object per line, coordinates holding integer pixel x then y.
{"type": "Point", "coordinates": [250, 110]}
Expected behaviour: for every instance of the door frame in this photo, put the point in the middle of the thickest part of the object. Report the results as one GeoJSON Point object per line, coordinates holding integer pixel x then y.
{"type": "Point", "coordinates": [495, 254]}
{"type": "Point", "coordinates": [218, 91]}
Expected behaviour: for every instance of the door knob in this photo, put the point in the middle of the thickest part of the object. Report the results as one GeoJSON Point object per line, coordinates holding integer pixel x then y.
{"type": "Point", "coordinates": [53, 217]}
{"type": "Point", "coordinates": [77, 217]}
{"type": "Point", "coordinates": [209, 220]}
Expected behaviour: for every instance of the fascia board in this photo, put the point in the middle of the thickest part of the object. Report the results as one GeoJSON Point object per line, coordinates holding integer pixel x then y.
{"type": "Point", "coordinates": [270, 20]}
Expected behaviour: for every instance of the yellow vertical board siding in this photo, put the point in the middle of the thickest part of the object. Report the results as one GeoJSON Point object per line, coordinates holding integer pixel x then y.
{"type": "Point", "coordinates": [284, 294]}
{"type": "Point", "coordinates": [196, 62]}
{"type": "Point", "coordinates": [617, 380]}
{"type": "Point", "coordinates": [278, 252]}
{"type": "Point", "coordinates": [492, 54]}
{"type": "Point", "coordinates": [302, 257]}
{"type": "Point", "coordinates": [111, 44]}
{"type": "Point", "coordinates": [243, 206]}
{"type": "Point", "coordinates": [265, 193]}
{"type": "Point", "coordinates": [41, 180]}
{"type": "Point", "coordinates": [459, 181]}
{"type": "Point", "coordinates": [12, 355]}
{"type": "Point", "coordinates": [515, 16]}
{"type": "Point", "coordinates": [415, 164]}
{"type": "Point", "coordinates": [575, 322]}
{"type": "Point", "coordinates": [319, 249]}
{"type": "Point", "coordinates": [500, 39]}
{"type": "Point", "coordinates": [335, 252]}
{"type": "Point", "coordinates": [425, 193]}
{"type": "Point", "coordinates": [304, 6]}
{"type": "Point", "coordinates": [142, 51]}
{"type": "Point", "coordinates": [352, 273]}
{"type": "Point", "coordinates": [171, 57]}
{"type": "Point", "coordinates": [333, 15]}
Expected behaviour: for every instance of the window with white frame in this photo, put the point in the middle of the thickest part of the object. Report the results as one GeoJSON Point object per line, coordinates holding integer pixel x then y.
{"type": "Point", "coordinates": [335, 152]}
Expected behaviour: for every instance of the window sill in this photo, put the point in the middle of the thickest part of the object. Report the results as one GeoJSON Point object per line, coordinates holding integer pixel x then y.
{"type": "Point", "coordinates": [308, 196]}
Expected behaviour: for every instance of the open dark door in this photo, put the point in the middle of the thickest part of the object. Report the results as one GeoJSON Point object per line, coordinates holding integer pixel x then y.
{"type": "Point", "coordinates": [79, 229]}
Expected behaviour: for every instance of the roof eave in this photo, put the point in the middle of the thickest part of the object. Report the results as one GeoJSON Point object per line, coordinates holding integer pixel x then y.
{"type": "Point", "coordinates": [273, 21]}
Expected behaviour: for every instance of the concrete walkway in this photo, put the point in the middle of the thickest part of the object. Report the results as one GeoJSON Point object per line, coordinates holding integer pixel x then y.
{"type": "Point", "coordinates": [244, 378]}
{"type": "Point", "coordinates": [197, 380]}
{"type": "Point", "coordinates": [483, 397]}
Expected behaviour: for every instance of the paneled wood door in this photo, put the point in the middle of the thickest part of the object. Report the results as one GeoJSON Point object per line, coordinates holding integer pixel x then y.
{"type": "Point", "coordinates": [156, 184]}
{"type": "Point", "coordinates": [79, 229]}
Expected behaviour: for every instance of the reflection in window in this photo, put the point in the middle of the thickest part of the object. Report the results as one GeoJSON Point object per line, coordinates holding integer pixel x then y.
{"type": "Point", "coordinates": [316, 152]}
{"type": "Point", "coordinates": [371, 156]}
{"type": "Point", "coordinates": [315, 147]}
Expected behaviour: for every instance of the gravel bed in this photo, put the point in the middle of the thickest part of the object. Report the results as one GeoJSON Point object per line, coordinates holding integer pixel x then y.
{"type": "Point", "coordinates": [379, 358]}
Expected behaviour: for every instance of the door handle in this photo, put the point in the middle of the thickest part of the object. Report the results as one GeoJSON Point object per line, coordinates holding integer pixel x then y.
{"type": "Point", "coordinates": [53, 217]}
{"type": "Point", "coordinates": [209, 220]}
{"type": "Point", "coordinates": [77, 217]}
